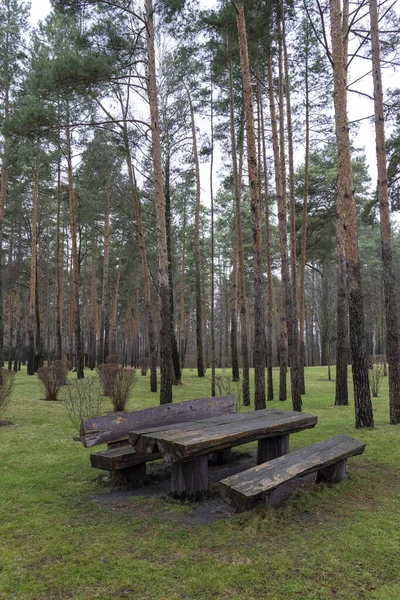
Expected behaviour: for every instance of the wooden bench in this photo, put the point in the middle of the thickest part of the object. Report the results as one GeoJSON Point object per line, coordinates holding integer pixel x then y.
{"type": "Point", "coordinates": [253, 486]}
{"type": "Point", "coordinates": [121, 459]}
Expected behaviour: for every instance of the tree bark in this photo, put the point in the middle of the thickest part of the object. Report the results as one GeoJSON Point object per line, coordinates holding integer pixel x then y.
{"type": "Point", "coordinates": [255, 205]}
{"type": "Point", "coordinates": [75, 264]}
{"type": "Point", "coordinates": [32, 280]}
{"type": "Point", "coordinates": [199, 336]}
{"type": "Point", "coordinates": [145, 267]}
{"type": "Point", "coordinates": [93, 309]}
{"type": "Point", "coordinates": [392, 325]}
{"type": "Point", "coordinates": [114, 312]}
{"type": "Point", "coordinates": [302, 348]}
{"type": "Point", "coordinates": [348, 223]}
{"type": "Point", "coordinates": [237, 183]}
{"type": "Point", "coordinates": [162, 248]}
{"type": "Point", "coordinates": [294, 358]}
{"type": "Point", "coordinates": [174, 346]}
{"type": "Point", "coordinates": [270, 282]}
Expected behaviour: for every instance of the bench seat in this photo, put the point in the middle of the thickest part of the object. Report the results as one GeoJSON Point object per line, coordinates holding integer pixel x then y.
{"type": "Point", "coordinates": [119, 458]}
{"type": "Point", "coordinates": [248, 488]}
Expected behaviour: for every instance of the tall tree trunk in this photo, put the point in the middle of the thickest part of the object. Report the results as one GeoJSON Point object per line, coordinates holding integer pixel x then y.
{"type": "Point", "coordinates": [270, 283]}
{"type": "Point", "coordinates": [32, 280]}
{"type": "Point", "coordinates": [280, 199]}
{"type": "Point", "coordinates": [255, 204]}
{"type": "Point", "coordinates": [302, 348]}
{"type": "Point", "coordinates": [182, 292]}
{"type": "Point", "coordinates": [145, 267]}
{"type": "Point", "coordinates": [105, 304]}
{"type": "Point", "coordinates": [59, 290]}
{"type": "Point", "coordinates": [114, 312]}
{"type": "Point", "coordinates": [174, 346]}
{"type": "Point", "coordinates": [293, 333]}
{"type": "Point", "coordinates": [75, 264]}
{"type": "Point", "coordinates": [93, 309]}
{"type": "Point", "coordinates": [4, 181]}
{"type": "Point", "coordinates": [237, 183]}
{"type": "Point", "coordinates": [235, 363]}
{"type": "Point", "coordinates": [163, 279]}
{"type": "Point", "coordinates": [197, 260]}
{"type": "Point", "coordinates": [348, 224]}
{"type": "Point", "coordinates": [392, 325]}
{"type": "Point", "coordinates": [342, 325]}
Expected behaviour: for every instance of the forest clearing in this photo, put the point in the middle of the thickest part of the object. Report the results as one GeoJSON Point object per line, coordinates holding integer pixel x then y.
{"type": "Point", "coordinates": [186, 214]}
{"type": "Point", "coordinates": [65, 533]}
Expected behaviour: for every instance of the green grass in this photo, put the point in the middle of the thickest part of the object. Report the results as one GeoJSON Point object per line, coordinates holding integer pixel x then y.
{"type": "Point", "coordinates": [57, 542]}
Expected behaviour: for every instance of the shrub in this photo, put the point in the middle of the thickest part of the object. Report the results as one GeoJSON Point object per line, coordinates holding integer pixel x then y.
{"type": "Point", "coordinates": [227, 387]}
{"type": "Point", "coordinates": [122, 381]}
{"type": "Point", "coordinates": [52, 381]}
{"type": "Point", "coordinates": [6, 388]}
{"type": "Point", "coordinates": [107, 373]}
{"type": "Point", "coordinates": [62, 367]}
{"type": "Point", "coordinates": [144, 365]}
{"type": "Point", "coordinates": [82, 399]}
{"type": "Point", "coordinates": [376, 373]}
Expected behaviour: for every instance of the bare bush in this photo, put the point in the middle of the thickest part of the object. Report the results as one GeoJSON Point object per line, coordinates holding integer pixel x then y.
{"type": "Point", "coordinates": [6, 388]}
{"type": "Point", "coordinates": [144, 365]}
{"type": "Point", "coordinates": [121, 385]}
{"type": "Point", "coordinates": [62, 367]}
{"type": "Point", "coordinates": [52, 381]}
{"type": "Point", "coordinates": [82, 399]}
{"type": "Point", "coordinates": [227, 387]}
{"type": "Point", "coordinates": [376, 373]}
{"type": "Point", "coordinates": [114, 359]}
{"type": "Point", "coordinates": [107, 374]}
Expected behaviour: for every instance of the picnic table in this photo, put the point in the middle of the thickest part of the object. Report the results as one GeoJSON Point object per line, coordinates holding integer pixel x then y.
{"type": "Point", "coordinates": [187, 445]}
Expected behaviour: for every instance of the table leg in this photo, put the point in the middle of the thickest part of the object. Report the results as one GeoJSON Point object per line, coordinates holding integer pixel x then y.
{"type": "Point", "coordinates": [270, 448]}
{"type": "Point", "coordinates": [189, 479]}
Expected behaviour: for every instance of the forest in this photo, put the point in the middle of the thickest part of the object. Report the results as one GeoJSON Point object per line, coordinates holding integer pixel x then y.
{"type": "Point", "coordinates": [181, 187]}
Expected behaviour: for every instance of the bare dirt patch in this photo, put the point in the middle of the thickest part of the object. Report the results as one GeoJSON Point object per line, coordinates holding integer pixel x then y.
{"type": "Point", "coordinates": [202, 513]}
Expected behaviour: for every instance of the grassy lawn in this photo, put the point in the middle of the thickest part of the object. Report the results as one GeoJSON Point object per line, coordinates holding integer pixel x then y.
{"type": "Point", "coordinates": [57, 542]}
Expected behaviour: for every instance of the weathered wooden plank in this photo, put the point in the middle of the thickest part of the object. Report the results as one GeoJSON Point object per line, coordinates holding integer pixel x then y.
{"type": "Point", "coordinates": [116, 426]}
{"type": "Point", "coordinates": [177, 429]}
{"type": "Point", "coordinates": [177, 445]}
{"type": "Point", "coordinates": [119, 458]}
{"type": "Point", "coordinates": [245, 489]}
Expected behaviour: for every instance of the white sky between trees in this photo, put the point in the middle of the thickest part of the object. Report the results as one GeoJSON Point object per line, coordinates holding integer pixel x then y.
{"type": "Point", "coordinates": [358, 106]}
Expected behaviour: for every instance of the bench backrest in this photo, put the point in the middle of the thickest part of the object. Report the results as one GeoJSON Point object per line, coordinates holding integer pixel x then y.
{"type": "Point", "coordinates": [115, 427]}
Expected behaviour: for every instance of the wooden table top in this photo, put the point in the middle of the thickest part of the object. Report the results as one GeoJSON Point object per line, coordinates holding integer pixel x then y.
{"type": "Point", "coordinates": [185, 441]}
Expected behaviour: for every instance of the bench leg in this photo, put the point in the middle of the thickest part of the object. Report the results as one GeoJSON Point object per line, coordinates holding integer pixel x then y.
{"type": "Point", "coordinates": [190, 479]}
{"type": "Point", "coordinates": [270, 448]}
{"type": "Point", "coordinates": [223, 457]}
{"type": "Point", "coordinates": [333, 473]}
{"type": "Point", "coordinates": [132, 476]}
